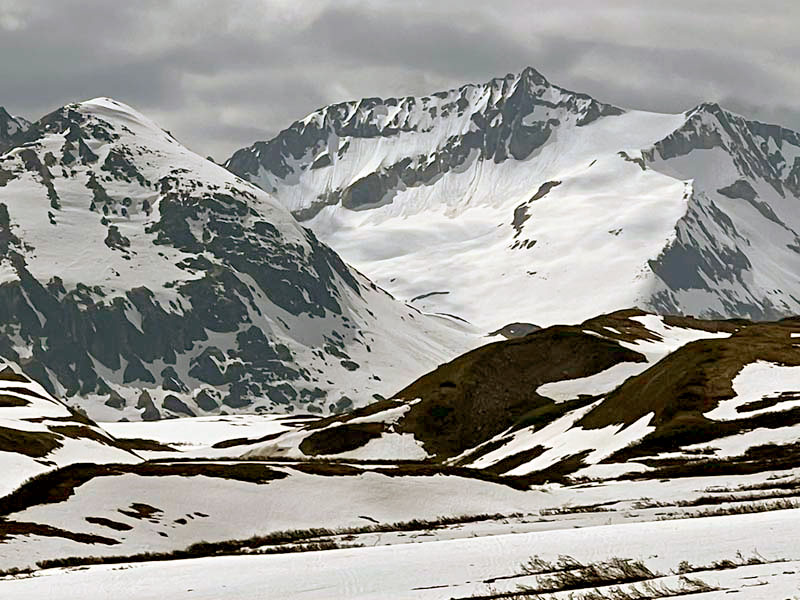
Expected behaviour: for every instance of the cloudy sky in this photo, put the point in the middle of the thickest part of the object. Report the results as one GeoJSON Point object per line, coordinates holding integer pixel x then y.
{"type": "Point", "coordinates": [221, 74]}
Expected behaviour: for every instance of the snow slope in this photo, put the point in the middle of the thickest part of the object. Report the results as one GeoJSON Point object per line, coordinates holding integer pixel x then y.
{"type": "Point", "coordinates": [519, 201]}
{"type": "Point", "coordinates": [38, 433]}
{"type": "Point", "coordinates": [166, 286]}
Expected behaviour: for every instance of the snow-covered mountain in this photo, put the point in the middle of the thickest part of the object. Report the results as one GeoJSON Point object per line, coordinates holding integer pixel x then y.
{"type": "Point", "coordinates": [142, 281]}
{"type": "Point", "coordinates": [11, 128]}
{"type": "Point", "coordinates": [520, 201]}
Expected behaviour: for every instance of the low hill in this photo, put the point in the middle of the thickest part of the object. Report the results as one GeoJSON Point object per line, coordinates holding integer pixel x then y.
{"type": "Point", "coordinates": [623, 393]}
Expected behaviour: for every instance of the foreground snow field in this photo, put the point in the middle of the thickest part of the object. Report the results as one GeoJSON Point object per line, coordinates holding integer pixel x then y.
{"type": "Point", "coordinates": [449, 569]}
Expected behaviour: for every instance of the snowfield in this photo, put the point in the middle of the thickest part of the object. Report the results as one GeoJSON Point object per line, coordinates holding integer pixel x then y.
{"type": "Point", "coordinates": [40, 434]}
{"type": "Point", "coordinates": [756, 382]}
{"type": "Point", "coordinates": [450, 568]}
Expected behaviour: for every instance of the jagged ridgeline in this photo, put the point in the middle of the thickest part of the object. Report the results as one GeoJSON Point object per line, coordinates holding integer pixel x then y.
{"type": "Point", "coordinates": [11, 129]}
{"type": "Point", "coordinates": [444, 132]}
{"type": "Point", "coordinates": [142, 281]}
{"type": "Point", "coordinates": [576, 206]}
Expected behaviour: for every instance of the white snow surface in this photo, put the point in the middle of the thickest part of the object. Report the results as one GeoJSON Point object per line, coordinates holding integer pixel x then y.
{"type": "Point", "coordinates": [755, 382]}
{"type": "Point", "coordinates": [201, 432]}
{"type": "Point", "coordinates": [588, 245]}
{"type": "Point", "coordinates": [456, 236]}
{"type": "Point", "coordinates": [40, 414]}
{"type": "Point", "coordinates": [448, 568]}
{"type": "Point", "coordinates": [391, 342]}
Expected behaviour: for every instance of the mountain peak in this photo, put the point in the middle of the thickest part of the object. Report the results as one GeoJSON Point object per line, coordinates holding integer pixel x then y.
{"type": "Point", "coordinates": [165, 285]}
{"type": "Point", "coordinates": [11, 128]}
{"type": "Point", "coordinates": [532, 75]}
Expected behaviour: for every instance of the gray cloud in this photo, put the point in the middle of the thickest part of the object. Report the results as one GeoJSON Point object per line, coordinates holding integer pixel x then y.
{"type": "Point", "coordinates": [221, 74]}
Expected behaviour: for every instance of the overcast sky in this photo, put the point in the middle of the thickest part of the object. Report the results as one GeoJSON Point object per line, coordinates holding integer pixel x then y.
{"type": "Point", "coordinates": [220, 74]}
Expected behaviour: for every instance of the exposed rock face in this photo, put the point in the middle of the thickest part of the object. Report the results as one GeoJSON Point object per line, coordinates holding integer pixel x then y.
{"type": "Point", "coordinates": [493, 122]}
{"type": "Point", "coordinates": [576, 206]}
{"type": "Point", "coordinates": [11, 130]}
{"type": "Point", "coordinates": [144, 281]}
{"type": "Point", "coordinates": [738, 239]}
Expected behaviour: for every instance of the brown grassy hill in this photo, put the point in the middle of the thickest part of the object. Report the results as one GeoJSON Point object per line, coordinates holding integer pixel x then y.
{"type": "Point", "coordinates": [484, 392]}
{"type": "Point", "coordinates": [488, 407]}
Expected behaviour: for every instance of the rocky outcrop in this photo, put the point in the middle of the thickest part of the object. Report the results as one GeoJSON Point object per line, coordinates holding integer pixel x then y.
{"type": "Point", "coordinates": [497, 121]}
{"type": "Point", "coordinates": [11, 130]}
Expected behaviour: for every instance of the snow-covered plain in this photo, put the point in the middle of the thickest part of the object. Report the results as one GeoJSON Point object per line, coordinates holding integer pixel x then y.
{"type": "Point", "coordinates": [449, 568]}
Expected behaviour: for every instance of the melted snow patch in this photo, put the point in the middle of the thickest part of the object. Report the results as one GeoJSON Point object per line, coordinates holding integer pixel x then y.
{"type": "Point", "coordinates": [755, 382]}
{"type": "Point", "coordinates": [593, 385]}
{"type": "Point", "coordinates": [390, 446]}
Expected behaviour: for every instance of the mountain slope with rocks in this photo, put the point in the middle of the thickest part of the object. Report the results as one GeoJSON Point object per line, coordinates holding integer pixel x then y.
{"type": "Point", "coordinates": [520, 201]}
{"type": "Point", "coordinates": [11, 129]}
{"type": "Point", "coordinates": [140, 280]}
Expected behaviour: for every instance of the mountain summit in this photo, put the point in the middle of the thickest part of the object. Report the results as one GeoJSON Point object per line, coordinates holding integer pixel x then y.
{"type": "Point", "coordinates": [520, 201]}
{"type": "Point", "coordinates": [148, 282]}
{"type": "Point", "coordinates": [11, 128]}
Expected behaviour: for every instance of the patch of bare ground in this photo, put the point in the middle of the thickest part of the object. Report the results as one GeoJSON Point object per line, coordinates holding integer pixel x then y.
{"type": "Point", "coordinates": [82, 432]}
{"type": "Point", "coordinates": [8, 401]}
{"type": "Point", "coordinates": [340, 438]}
{"type": "Point", "coordinates": [134, 444]}
{"type": "Point", "coordinates": [274, 543]}
{"type": "Point", "coordinates": [16, 389]}
{"type": "Point", "coordinates": [8, 374]}
{"type": "Point", "coordinates": [58, 486]}
{"type": "Point", "coordinates": [247, 441]}
{"type": "Point", "coordinates": [36, 444]}
{"type": "Point", "coordinates": [485, 392]}
{"type": "Point", "coordinates": [768, 402]}
{"type": "Point", "coordinates": [111, 524]}
{"type": "Point", "coordinates": [141, 511]}
{"type": "Point", "coordinates": [19, 529]}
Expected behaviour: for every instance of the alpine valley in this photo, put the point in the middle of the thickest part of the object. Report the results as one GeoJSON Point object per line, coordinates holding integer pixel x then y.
{"type": "Point", "coordinates": [502, 341]}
